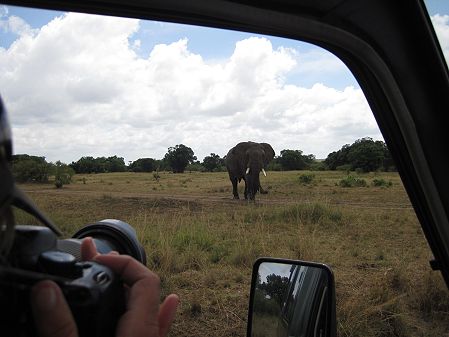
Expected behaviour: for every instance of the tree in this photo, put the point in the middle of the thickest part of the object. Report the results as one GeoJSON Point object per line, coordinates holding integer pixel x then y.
{"type": "Point", "coordinates": [213, 163]}
{"type": "Point", "coordinates": [337, 158]}
{"type": "Point", "coordinates": [27, 168]}
{"type": "Point", "coordinates": [366, 155]}
{"type": "Point", "coordinates": [114, 164]}
{"type": "Point", "coordinates": [179, 157]}
{"type": "Point", "coordinates": [275, 287]}
{"type": "Point", "coordinates": [162, 165]}
{"type": "Point", "coordinates": [292, 160]}
{"type": "Point", "coordinates": [99, 165]}
{"type": "Point", "coordinates": [63, 174]}
{"type": "Point", "coordinates": [84, 165]}
{"type": "Point", "coordinates": [143, 165]}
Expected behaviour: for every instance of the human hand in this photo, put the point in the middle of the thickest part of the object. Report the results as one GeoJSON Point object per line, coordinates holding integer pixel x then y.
{"type": "Point", "coordinates": [143, 316]}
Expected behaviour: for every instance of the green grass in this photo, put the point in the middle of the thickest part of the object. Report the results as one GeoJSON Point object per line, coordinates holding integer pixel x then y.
{"type": "Point", "coordinates": [203, 243]}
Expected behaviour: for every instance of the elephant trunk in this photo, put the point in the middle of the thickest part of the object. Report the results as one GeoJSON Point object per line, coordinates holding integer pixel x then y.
{"type": "Point", "coordinates": [253, 181]}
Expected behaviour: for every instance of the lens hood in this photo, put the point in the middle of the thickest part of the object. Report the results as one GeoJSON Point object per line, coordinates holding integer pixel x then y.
{"type": "Point", "coordinates": [112, 234]}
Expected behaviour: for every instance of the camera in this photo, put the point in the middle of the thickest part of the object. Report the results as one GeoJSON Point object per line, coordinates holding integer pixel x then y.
{"type": "Point", "coordinates": [29, 254]}
{"type": "Point", "coordinates": [94, 293]}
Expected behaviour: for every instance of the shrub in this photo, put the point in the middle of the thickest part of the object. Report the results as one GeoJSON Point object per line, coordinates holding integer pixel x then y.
{"type": "Point", "coordinates": [351, 181]}
{"type": "Point", "coordinates": [63, 174]}
{"type": "Point", "coordinates": [27, 168]}
{"type": "Point", "coordinates": [306, 178]}
{"type": "Point", "coordinates": [382, 183]}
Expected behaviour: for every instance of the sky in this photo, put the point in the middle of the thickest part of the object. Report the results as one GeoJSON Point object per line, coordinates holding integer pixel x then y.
{"type": "Point", "coordinates": [83, 85]}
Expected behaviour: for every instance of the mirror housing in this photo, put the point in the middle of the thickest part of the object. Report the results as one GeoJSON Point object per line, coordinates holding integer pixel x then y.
{"type": "Point", "coordinates": [291, 298]}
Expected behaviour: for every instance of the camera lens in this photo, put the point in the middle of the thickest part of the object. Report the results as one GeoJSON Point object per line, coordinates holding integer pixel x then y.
{"type": "Point", "coordinates": [108, 235]}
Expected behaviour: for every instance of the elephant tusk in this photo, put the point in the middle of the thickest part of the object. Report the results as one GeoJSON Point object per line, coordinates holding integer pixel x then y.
{"type": "Point", "coordinates": [264, 173]}
{"type": "Point", "coordinates": [247, 171]}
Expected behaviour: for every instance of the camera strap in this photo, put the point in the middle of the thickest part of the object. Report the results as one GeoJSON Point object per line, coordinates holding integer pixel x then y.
{"type": "Point", "coordinates": [11, 195]}
{"type": "Point", "coordinates": [6, 214]}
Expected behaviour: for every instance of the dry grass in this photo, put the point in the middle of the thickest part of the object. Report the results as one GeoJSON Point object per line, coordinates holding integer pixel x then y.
{"type": "Point", "coordinates": [203, 244]}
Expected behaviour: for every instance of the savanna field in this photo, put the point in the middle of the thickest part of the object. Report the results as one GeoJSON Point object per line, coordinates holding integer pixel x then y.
{"type": "Point", "coordinates": [203, 243]}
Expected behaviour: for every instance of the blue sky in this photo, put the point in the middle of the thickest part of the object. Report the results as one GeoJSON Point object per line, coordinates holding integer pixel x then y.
{"type": "Point", "coordinates": [135, 88]}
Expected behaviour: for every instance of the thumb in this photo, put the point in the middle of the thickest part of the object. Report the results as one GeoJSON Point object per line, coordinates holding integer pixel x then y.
{"type": "Point", "coordinates": [52, 315]}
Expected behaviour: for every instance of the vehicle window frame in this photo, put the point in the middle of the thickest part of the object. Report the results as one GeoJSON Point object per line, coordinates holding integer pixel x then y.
{"type": "Point", "coordinates": [408, 112]}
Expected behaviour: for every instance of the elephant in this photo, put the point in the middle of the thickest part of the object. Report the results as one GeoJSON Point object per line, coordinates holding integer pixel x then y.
{"type": "Point", "coordinates": [245, 161]}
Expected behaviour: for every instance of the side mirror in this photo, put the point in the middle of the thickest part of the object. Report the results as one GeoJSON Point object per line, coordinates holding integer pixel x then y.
{"type": "Point", "coordinates": [291, 298]}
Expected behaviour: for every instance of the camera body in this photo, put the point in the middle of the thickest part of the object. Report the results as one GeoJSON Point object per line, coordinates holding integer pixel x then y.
{"type": "Point", "coordinates": [94, 293]}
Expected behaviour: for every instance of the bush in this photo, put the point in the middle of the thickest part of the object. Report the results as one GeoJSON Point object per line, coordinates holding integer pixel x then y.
{"type": "Point", "coordinates": [63, 174]}
{"type": "Point", "coordinates": [306, 179]}
{"type": "Point", "coordinates": [382, 183]}
{"type": "Point", "coordinates": [351, 181]}
{"type": "Point", "coordinates": [27, 168]}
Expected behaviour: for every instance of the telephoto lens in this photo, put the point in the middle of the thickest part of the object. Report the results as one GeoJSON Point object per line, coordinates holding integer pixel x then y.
{"type": "Point", "coordinates": [108, 235]}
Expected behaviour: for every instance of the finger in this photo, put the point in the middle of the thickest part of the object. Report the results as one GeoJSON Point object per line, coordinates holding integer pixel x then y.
{"type": "Point", "coordinates": [143, 295]}
{"type": "Point", "coordinates": [88, 249]}
{"type": "Point", "coordinates": [144, 284]}
{"type": "Point", "coordinates": [167, 312]}
{"type": "Point", "coordinates": [50, 311]}
{"type": "Point", "coordinates": [128, 268]}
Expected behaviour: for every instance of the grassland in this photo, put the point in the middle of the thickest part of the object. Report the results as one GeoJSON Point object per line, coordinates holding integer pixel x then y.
{"type": "Point", "coordinates": [203, 243]}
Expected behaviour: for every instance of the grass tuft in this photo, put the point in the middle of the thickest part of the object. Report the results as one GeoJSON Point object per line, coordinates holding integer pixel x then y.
{"type": "Point", "coordinates": [351, 181]}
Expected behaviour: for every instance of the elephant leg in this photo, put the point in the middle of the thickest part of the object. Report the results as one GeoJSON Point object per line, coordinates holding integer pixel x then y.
{"type": "Point", "coordinates": [234, 188]}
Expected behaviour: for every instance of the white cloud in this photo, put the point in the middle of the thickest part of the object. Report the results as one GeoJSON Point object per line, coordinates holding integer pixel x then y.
{"type": "Point", "coordinates": [77, 87]}
{"type": "Point", "coordinates": [14, 24]}
{"type": "Point", "coordinates": [441, 25]}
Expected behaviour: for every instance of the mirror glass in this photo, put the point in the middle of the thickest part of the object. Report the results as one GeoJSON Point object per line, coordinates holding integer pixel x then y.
{"type": "Point", "coordinates": [290, 299]}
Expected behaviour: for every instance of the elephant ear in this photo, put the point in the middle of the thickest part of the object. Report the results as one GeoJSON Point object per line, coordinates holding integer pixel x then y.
{"type": "Point", "coordinates": [269, 152]}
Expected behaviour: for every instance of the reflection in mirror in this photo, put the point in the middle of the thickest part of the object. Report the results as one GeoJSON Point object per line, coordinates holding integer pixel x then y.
{"type": "Point", "coordinates": [290, 298]}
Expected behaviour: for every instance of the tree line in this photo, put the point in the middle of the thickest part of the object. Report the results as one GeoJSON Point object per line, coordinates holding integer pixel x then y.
{"type": "Point", "coordinates": [363, 155]}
